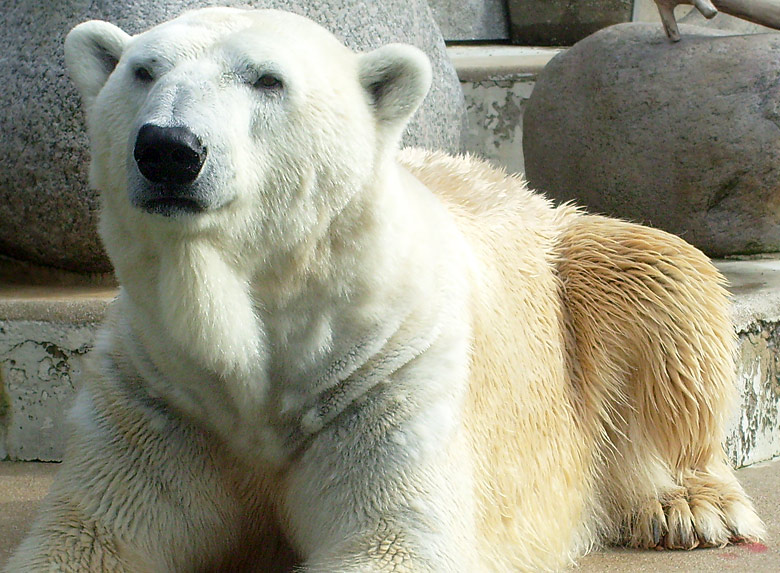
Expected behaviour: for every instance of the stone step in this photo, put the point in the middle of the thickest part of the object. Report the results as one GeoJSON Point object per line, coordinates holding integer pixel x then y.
{"type": "Point", "coordinates": [46, 333]}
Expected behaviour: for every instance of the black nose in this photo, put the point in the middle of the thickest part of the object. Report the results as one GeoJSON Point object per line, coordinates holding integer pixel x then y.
{"type": "Point", "coordinates": [168, 154]}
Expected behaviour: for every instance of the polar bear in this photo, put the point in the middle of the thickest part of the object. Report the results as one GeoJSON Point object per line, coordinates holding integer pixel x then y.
{"type": "Point", "coordinates": [331, 355]}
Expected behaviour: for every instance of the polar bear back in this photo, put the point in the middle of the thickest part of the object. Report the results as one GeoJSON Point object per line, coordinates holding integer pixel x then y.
{"type": "Point", "coordinates": [519, 349]}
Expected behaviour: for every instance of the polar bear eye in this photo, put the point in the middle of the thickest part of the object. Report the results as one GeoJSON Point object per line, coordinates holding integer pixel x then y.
{"type": "Point", "coordinates": [267, 82]}
{"type": "Point", "coordinates": [143, 75]}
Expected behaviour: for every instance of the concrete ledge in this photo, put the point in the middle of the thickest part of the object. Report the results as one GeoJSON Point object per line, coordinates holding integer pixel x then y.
{"type": "Point", "coordinates": [30, 292]}
{"type": "Point", "coordinates": [46, 333]}
{"type": "Point", "coordinates": [755, 286]}
{"type": "Point", "coordinates": [74, 304]}
{"type": "Point", "coordinates": [491, 62]}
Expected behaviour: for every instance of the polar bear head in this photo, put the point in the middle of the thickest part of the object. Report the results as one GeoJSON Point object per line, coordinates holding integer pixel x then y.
{"type": "Point", "coordinates": [254, 123]}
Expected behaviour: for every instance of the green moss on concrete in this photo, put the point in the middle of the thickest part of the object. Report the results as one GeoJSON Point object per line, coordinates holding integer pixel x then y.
{"type": "Point", "coordinates": [5, 404]}
{"type": "Point", "coordinates": [5, 410]}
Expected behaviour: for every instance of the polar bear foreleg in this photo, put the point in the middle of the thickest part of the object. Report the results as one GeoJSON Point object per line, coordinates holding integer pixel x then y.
{"type": "Point", "coordinates": [141, 490]}
{"type": "Point", "coordinates": [64, 540]}
{"type": "Point", "coordinates": [373, 497]}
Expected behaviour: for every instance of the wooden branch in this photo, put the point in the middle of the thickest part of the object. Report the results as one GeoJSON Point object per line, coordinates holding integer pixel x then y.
{"type": "Point", "coordinates": [763, 12]}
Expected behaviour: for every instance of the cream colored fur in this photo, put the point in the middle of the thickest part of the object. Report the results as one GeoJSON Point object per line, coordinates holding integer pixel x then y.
{"type": "Point", "coordinates": [357, 360]}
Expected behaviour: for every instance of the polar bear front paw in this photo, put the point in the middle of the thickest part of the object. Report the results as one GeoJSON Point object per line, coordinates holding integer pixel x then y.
{"type": "Point", "coordinates": [705, 512]}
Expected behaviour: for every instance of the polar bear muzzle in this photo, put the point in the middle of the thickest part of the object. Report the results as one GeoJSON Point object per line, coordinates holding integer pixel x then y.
{"type": "Point", "coordinates": [169, 160]}
{"type": "Point", "coordinates": [168, 155]}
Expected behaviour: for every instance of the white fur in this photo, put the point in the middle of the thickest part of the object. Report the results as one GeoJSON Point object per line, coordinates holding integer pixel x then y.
{"type": "Point", "coordinates": [357, 361]}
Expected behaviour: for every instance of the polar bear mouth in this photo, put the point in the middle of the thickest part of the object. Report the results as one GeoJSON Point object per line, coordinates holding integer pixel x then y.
{"type": "Point", "coordinates": [172, 206]}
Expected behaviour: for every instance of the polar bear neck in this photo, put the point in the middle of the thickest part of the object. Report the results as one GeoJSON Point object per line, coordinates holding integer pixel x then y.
{"type": "Point", "coordinates": [205, 291]}
{"type": "Point", "coordinates": [293, 339]}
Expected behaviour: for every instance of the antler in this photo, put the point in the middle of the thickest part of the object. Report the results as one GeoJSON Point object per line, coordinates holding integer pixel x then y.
{"type": "Point", "coordinates": [764, 12]}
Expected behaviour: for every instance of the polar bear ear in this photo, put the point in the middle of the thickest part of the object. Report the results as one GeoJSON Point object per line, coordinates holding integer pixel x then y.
{"type": "Point", "coordinates": [396, 78]}
{"type": "Point", "coordinates": [92, 51]}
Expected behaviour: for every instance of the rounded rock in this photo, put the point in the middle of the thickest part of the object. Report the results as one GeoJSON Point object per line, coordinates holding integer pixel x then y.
{"type": "Point", "coordinates": [681, 136]}
{"type": "Point", "coordinates": [49, 214]}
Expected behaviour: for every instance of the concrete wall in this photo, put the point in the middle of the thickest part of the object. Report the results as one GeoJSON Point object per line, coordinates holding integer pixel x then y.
{"type": "Point", "coordinates": [497, 82]}
{"type": "Point", "coordinates": [41, 364]}
{"type": "Point", "coordinates": [755, 424]}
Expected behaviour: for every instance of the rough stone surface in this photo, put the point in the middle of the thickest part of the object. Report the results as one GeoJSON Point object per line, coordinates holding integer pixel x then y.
{"type": "Point", "coordinates": [462, 20]}
{"type": "Point", "coordinates": [22, 487]}
{"type": "Point", "coordinates": [48, 213]}
{"type": "Point", "coordinates": [679, 136]}
{"type": "Point", "coordinates": [563, 22]}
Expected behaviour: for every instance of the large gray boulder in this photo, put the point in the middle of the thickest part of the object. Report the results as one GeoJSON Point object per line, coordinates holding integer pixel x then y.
{"type": "Point", "coordinates": [48, 213]}
{"type": "Point", "coordinates": [465, 20]}
{"type": "Point", "coordinates": [685, 136]}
